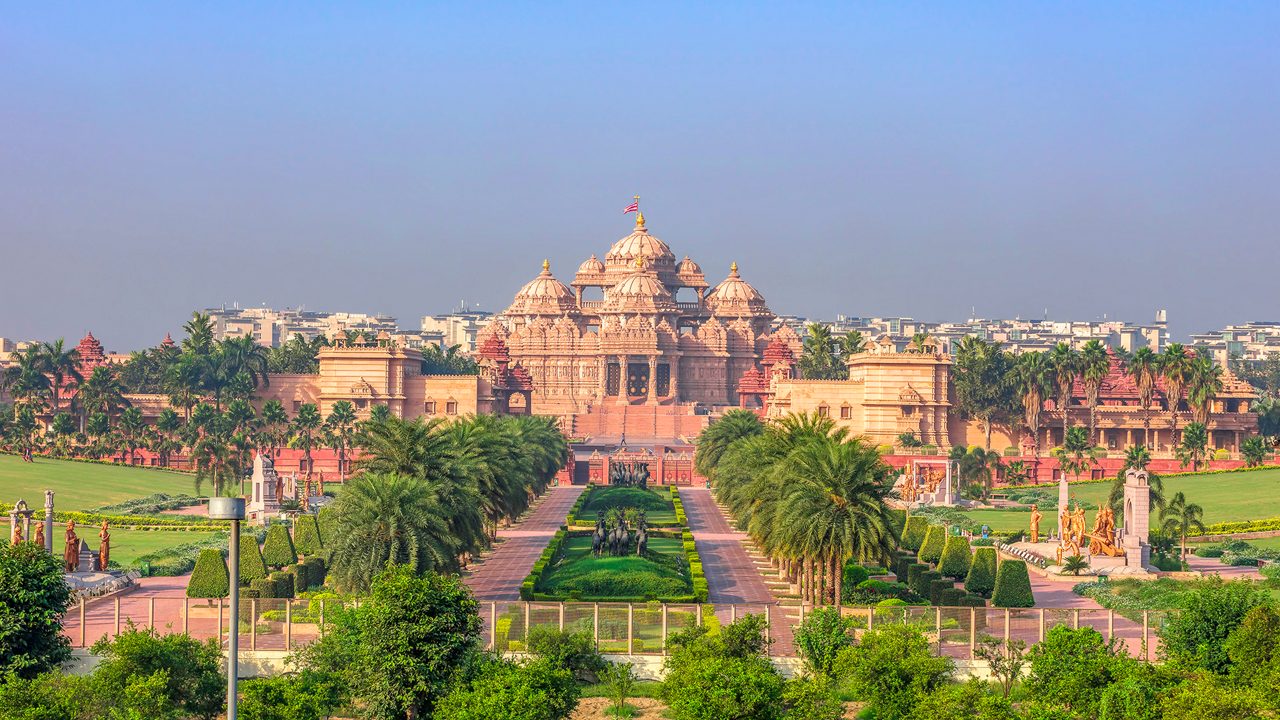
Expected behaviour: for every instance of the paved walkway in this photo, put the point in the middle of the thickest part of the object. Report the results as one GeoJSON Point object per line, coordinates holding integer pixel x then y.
{"type": "Point", "coordinates": [499, 576]}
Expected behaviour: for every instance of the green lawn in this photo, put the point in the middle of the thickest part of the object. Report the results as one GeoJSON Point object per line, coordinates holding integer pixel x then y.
{"type": "Point", "coordinates": [82, 486]}
{"type": "Point", "coordinates": [626, 576]}
{"type": "Point", "coordinates": [1225, 497]}
{"type": "Point", "coordinates": [655, 502]}
{"type": "Point", "coordinates": [128, 545]}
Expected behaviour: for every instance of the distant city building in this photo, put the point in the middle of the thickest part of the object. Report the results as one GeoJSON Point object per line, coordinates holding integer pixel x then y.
{"type": "Point", "coordinates": [1017, 334]}
{"type": "Point", "coordinates": [457, 328]}
{"type": "Point", "coordinates": [272, 327]}
{"type": "Point", "coordinates": [1251, 341]}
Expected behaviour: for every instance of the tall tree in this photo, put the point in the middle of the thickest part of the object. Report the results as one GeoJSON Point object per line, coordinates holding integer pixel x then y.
{"type": "Point", "coordinates": [63, 366]}
{"type": "Point", "coordinates": [1095, 365]}
{"type": "Point", "coordinates": [273, 432]}
{"type": "Point", "coordinates": [1144, 367]}
{"type": "Point", "coordinates": [101, 392]}
{"type": "Point", "coordinates": [1034, 378]}
{"type": "Point", "coordinates": [852, 343]}
{"type": "Point", "coordinates": [1065, 365]}
{"type": "Point", "coordinates": [818, 355]}
{"type": "Point", "coordinates": [340, 430]}
{"type": "Point", "coordinates": [1181, 518]}
{"type": "Point", "coordinates": [167, 438]}
{"type": "Point", "coordinates": [1194, 446]}
{"type": "Point", "coordinates": [1203, 388]}
{"type": "Point", "coordinates": [26, 379]}
{"type": "Point", "coordinates": [132, 431]}
{"type": "Point", "coordinates": [719, 435]}
{"type": "Point", "coordinates": [1175, 368]}
{"type": "Point", "coordinates": [306, 427]}
{"type": "Point", "coordinates": [982, 381]}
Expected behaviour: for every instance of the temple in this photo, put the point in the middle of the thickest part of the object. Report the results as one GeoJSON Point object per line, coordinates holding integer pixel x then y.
{"type": "Point", "coordinates": [639, 346]}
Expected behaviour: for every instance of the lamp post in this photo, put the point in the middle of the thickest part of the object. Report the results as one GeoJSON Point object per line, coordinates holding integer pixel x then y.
{"type": "Point", "coordinates": [231, 508]}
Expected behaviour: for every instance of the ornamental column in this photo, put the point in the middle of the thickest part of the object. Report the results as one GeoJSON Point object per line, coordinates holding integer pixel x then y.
{"type": "Point", "coordinates": [653, 380]}
{"type": "Point", "coordinates": [673, 372]}
{"type": "Point", "coordinates": [602, 376]}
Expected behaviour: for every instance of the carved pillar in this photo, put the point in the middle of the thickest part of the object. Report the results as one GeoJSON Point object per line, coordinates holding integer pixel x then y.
{"type": "Point", "coordinates": [653, 380]}
{"type": "Point", "coordinates": [674, 382]}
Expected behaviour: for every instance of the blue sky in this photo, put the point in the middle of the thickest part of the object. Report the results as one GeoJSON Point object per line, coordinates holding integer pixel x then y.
{"type": "Point", "coordinates": [866, 159]}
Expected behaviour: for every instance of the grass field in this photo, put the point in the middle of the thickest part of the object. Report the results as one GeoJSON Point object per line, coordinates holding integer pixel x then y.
{"type": "Point", "coordinates": [607, 576]}
{"type": "Point", "coordinates": [656, 503]}
{"type": "Point", "coordinates": [128, 545]}
{"type": "Point", "coordinates": [1225, 497]}
{"type": "Point", "coordinates": [81, 486]}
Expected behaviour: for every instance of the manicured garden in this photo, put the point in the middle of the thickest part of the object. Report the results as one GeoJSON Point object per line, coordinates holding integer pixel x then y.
{"type": "Point", "coordinates": [655, 502]}
{"type": "Point", "coordinates": [84, 485]}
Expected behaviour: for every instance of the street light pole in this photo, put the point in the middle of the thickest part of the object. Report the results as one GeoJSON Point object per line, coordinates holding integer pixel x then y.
{"type": "Point", "coordinates": [231, 509]}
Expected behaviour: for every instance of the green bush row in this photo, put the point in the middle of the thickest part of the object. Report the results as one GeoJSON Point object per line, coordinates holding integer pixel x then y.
{"type": "Point", "coordinates": [1242, 526]}
{"type": "Point", "coordinates": [184, 522]}
{"type": "Point", "coordinates": [531, 581]}
{"type": "Point", "coordinates": [701, 590]}
{"type": "Point", "coordinates": [681, 519]}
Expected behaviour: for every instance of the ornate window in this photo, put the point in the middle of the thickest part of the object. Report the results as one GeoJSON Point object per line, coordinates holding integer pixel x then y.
{"type": "Point", "coordinates": [430, 407]}
{"type": "Point", "coordinates": [824, 411]}
{"type": "Point", "coordinates": [451, 408]}
{"type": "Point", "coordinates": [846, 412]}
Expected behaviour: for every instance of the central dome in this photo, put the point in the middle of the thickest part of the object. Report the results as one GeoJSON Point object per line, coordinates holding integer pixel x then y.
{"type": "Point", "coordinates": [640, 244]}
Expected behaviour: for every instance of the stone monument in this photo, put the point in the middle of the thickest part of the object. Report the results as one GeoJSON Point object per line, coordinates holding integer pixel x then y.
{"type": "Point", "coordinates": [1135, 540]}
{"type": "Point", "coordinates": [265, 501]}
{"type": "Point", "coordinates": [48, 521]}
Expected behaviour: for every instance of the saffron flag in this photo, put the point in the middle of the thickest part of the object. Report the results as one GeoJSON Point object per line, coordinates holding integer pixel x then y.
{"type": "Point", "coordinates": [633, 207]}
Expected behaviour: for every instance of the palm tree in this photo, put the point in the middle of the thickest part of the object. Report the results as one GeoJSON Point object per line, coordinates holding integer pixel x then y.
{"type": "Point", "coordinates": [1175, 367]}
{"type": "Point", "coordinates": [306, 424]}
{"type": "Point", "coordinates": [1074, 565]}
{"type": "Point", "coordinates": [102, 393]}
{"type": "Point", "coordinates": [238, 365]}
{"type": "Point", "coordinates": [1194, 446]}
{"type": "Point", "coordinates": [63, 368]}
{"type": "Point", "coordinates": [977, 466]}
{"type": "Point", "coordinates": [132, 431]}
{"type": "Point", "coordinates": [1180, 519]}
{"type": "Point", "coordinates": [1095, 365]}
{"type": "Point", "coordinates": [211, 451]}
{"type": "Point", "coordinates": [1033, 372]}
{"type": "Point", "coordinates": [832, 506]}
{"type": "Point", "coordinates": [1075, 455]}
{"type": "Point", "coordinates": [383, 519]}
{"type": "Point", "coordinates": [1065, 364]}
{"type": "Point", "coordinates": [918, 342]}
{"type": "Point", "coordinates": [273, 430]}
{"type": "Point", "coordinates": [817, 357]}
{"type": "Point", "coordinates": [165, 442]}
{"type": "Point", "coordinates": [63, 430]}
{"type": "Point", "coordinates": [852, 343]}
{"type": "Point", "coordinates": [1203, 387]}
{"type": "Point", "coordinates": [199, 340]}
{"type": "Point", "coordinates": [183, 383]}
{"type": "Point", "coordinates": [340, 428]}
{"type": "Point", "coordinates": [1144, 366]}
{"type": "Point", "coordinates": [716, 438]}
{"type": "Point", "coordinates": [1136, 457]}
{"type": "Point", "coordinates": [98, 432]}
{"type": "Point", "coordinates": [26, 380]}
{"type": "Point", "coordinates": [1254, 450]}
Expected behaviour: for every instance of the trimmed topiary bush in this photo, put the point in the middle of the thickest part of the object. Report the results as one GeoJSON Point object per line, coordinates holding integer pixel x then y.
{"type": "Point", "coordinates": [306, 535]}
{"type": "Point", "coordinates": [900, 566]}
{"type": "Point", "coordinates": [251, 565]}
{"type": "Point", "coordinates": [315, 571]}
{"type": "Point", "coordinates": [210, 578]}
{"type": "Point", "coordinates": [264, 587]}
{"type": "Point", "coordinates": [924, 581]}
{"type": "Point", "coordinates": [285, 587]}
{"type": "Point", "coordinates": [936, 587]}
{"type": "Point", "coordinates": [955, 558]}
{"type": "Point", "coordinates": [1013, 586]}
{"type": "Point", "coordinates": [981, 579]}
{"type": "Point", "coordinates": [278, 550]}
{"type": "Point", "coordinates": [935, 539]}
{"type": "Point", "coordinates": [950, 597]}
{"type": "Point", "coordinates": [914, 571]}
{"type": "Point", "coordinates": [913, 533]}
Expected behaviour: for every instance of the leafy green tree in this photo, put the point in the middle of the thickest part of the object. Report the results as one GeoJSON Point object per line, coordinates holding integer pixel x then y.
{"type": "Point", "coordinates": [818, 355]}
{"type": "Point", "coordinates": [1064, 363]}
{"type": "Point", "coordinates": [101, 392]}
{"type": "Point", "coordinates": [297, 355]}
{"type": "Point", "coordinates": [811, 698]}
{"type": "Point", "coordinates": [447, 361]}
{"type": "Point", "coordinates": [1254, 646]}
{"type": "Point", "coordinates": [1203, 387]}
{"type": "Point", "coordinates": [1095, 364]}
{"type": "Point", "coordinates": [1074, 565]}
{"type": "Point", "coordinates": [308, 695]}
{"type": "Point", "coordinates": [1136, 457]}
{"type": "Point", "coordinates": [970, 700]}
{"type": "Point", "coordinates": [716, 438]}
{"type": "Point", "coordinates": [1196, 636]}
{"type": "Point", "coordinates": [1144, 368]}
{"type": "Point", "coordinates": [620, 679]}
{"type": "Point", "coordinates": [166, 440]}
{"type": "Point", "coordinates": [1255, 451]}
{"type": "Point", "coordinates": [984, 383]}
{"type": "Point", "coordinates": [705, 681]}
{"type": "Point", "coordinates": [913, 532]}
{"type": "Point", "coordinates": [1175, 369]}
{"type": "Point", "coordinates": [1211, 698]}
{"type": "Point", "coordinates": [976, 467]}
{"type": "Point", "coordinates": [1194, 446]}
{"type": "Point", "coordinates": [892, 670]}
{"type": "Point", "coordinates": [49, 696]}
{"type": "Point", "coordinates": [1268, 410]}
{"type": "Point", "coordinates": [981, 579]}
{"type": "Point", "coordinates": [820, 639]}
{"type": "Point", "coordinates": [62, 365]}
{"type": "Point", "coordinates": [186, 673]}
{"type": "Point", "coordinates": [1077, 453]}
{"type": "Point", "coordinates": [1013, 585]}
{"type": "Point", "coordinates": [340, 430]}
{"type": "Point", "coordinates": [1181, 518]}
{"type": "Point", "coordinates": [33, 597]}
{"type": "Point", "coordinates": [570, 650]}
{"type": "Point", "coordinates": [1033, 375]}
{"type": "Point", "coordinates": [502, 690]}
{"type": "Point", "coordinates": [405, 647]}
{"type": "Point", "coordinates": [1072, 668]}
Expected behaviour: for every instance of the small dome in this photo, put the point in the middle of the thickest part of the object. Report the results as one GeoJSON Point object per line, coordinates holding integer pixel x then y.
{"type": "Point", "coordinates": [641, 291]}
{"type": "Point", "coordinates": [591, 266]}
{"type": "Point", "coordinates": [734, 297]}
{"type": "Point", "coordinates": [544, 295]}
{"type": "Point", "coordinates": [689, 267]}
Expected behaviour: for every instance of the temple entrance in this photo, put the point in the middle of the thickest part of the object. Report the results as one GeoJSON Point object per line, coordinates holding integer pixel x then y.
{"type": "Point", "coordinates": [637, 379]}
{"type": "Point", "coordinates": [613, 379]}
{"type": "Point", "coordinates": [664, 380]}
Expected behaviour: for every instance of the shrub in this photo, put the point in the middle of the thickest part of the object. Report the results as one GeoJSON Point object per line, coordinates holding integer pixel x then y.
{"type": "Point", "coordinates": [307, 696]}
{"type": "Point", "coordinates": [981, 579]}
{"type": "Point", "coordinates": [188, 672]}
{"type": "Point", "coordinates": [33, 597]}
{"type": "Point", "coordinates": [1074, 667]}
{"type": "Point", "coordinates": [949, 596]}
{"type": "Point", "coordinates": [970, 700]}
{"type": "Point", "coordinates": [854, 574]}
{"type": "Point", "coordinates": [956, 558]}
{"type": "Point", "coordinates": [315, 571]}
{"type": "Point", "coordinates": [284, 581]}
{"type": "Point", "coordinates": [821, 637]}
{"type": "Point", "coordinates": [501, 690]}
{"type": "Point", "coordinates": [934, 540]}
{"type": "Point", "coordinates": [251, 565]}
{"type": "Point", "coordinates": [936, 587]}
{"type": "Point", "coordinates": [263, 587]}
{"type": "Point", "coordinates": [1253, 646]}
{"type": "Point", "coordinates": [892, 669]}
{"type": "Point", "coordinates": [913, 575]}
{"type": "Point", "coordinates": [900, 566]}
{"type": "Point", "coordinates": [811, 698]}
{"type": "Point", "coordinates": [306, 535]}
{"type": "Point", "coordinates": [703, 683]}
{"type": "Point", "coordinates": [1196, 637]}
{"type": "Point", "coordinates": [913, 533]}
{"type": "Point", "coordinates": [278, 550]}
{"type": "Point", "coordinates": [924, 583]}
{"type": "Point", "coordinates": [1013, 586]}
{"type": "Point", "coordinates": [573, 651]}
{"type": "Point", "coordinates": [210, 578]}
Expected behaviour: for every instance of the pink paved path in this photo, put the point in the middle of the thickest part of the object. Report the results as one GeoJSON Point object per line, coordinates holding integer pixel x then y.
{"type": "Point", "coordinates": [499, 576]}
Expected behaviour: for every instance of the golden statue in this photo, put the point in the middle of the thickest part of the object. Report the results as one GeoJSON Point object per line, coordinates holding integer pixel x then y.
{"type": "Point", "coordinates": [1103, 537]}
{"type": "Point", "coordinates": [71, 552]}
{"type": "Point", "coordinates": [39, 534]}
{"type": "Point", "coordinates": [1035, 524]}
{"type": "Point", "coordinates": [104, 549]}
{"type": "Point", "coordinates": [16, 536]}
{"type": "Point", "coordinates": [1077, 526]}
{"type": "Point", "coordinates": [320, 484]}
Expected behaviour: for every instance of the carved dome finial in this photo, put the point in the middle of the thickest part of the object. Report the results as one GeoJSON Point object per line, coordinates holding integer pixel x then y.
{"type": "Point", "coordinates": [639, 219]}
{"type": "Point", "coordinates": [546, 265]}
{"type": "Point", "coordinates": [733, 268]}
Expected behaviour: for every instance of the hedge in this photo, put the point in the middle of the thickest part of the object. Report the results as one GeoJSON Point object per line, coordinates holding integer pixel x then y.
{"type": "Point", "coordinates": [530, 584]}
{"type": "Point", "coordinates": [956, 558]}
{"type": "Point", "coordinates": [681, 518]}
{"type": "Point", "coordinates": [251, 565]}
{"type": "Point", "coordinates": [285, 587]}
{"type": "Point", "coordinates": [1241, 526]}
{"type": "Point", "coordinates": [913, 533]}
{"type": "Point", "coordinates": [193, 523]}
{"type": "Point", "coordinates": [950, 597]}
{"type": "Point", "coordinates": [900, 566]}
{"type": "Point", "coordinates": [981, 579]}
{"type": "Point", "coordinates": [210, 578]}
{"type": "Point", "coordinates": [306, 535]}
{"type": "Point", "coordinates": [316, 571]}
{"type": "Point", "coordinates": [1013, 586]}
{"type": "Point", "coordinates": [934, 540]}
{"type": "Point", "coordinates": [278, 550]}
{"type": "Point", "coordinates": [914, 570]}
{"type": "Point", "coordinates": [701, 590]}
{"type": "Point", "coordinates": [264, 587]}
{"type": "Point", "coordinates": [921, 584]}
{"type": "Point", "coordinates": [936, 587]}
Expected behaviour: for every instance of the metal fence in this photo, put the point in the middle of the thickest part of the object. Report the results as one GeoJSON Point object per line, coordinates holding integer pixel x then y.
{"type": "Point", "coordinates": [619, 628]}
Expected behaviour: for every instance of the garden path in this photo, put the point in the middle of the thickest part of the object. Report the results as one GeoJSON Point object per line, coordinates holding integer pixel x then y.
{"type": "Point", "coordinates": [499, 575]}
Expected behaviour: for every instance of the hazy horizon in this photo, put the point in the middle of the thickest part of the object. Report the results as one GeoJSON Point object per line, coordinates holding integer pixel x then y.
{"type": "Point", "coordinates": [860, 160]}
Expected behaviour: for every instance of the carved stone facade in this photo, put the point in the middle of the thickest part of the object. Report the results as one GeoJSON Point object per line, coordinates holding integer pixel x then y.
{"type": "Point", "coordinates": [654, 336]}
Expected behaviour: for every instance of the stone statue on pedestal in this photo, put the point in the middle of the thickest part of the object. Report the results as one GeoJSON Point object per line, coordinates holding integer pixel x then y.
{"type": "Point", "coordinates": [71, 551]}
{"type": "Point", "coordinates": [104, 549]}
{"type": "Point", "coordinates": [1035, 524]}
